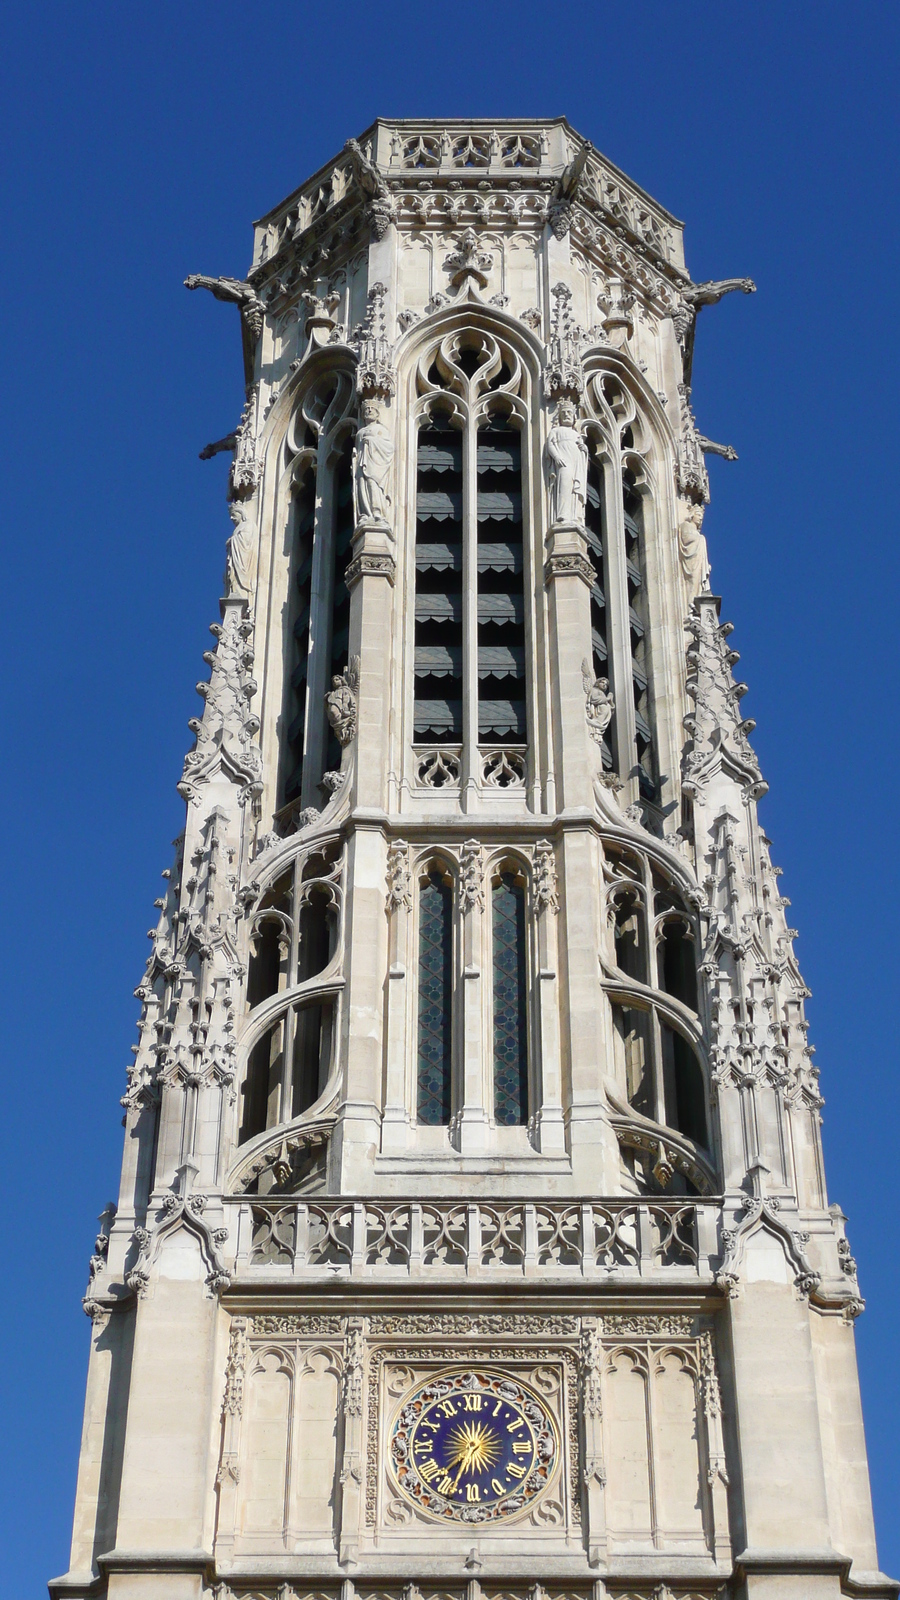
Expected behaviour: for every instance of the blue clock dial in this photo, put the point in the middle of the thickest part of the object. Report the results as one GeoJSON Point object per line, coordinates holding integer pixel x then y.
{"type": "Point", "coordinates": [473, 1445]}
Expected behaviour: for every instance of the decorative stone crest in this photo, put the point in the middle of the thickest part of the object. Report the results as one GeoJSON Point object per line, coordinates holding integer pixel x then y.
{"type": "Point", "coordinates": [467, 263]}
{"type": "Point", "coordinates": [320, 324]}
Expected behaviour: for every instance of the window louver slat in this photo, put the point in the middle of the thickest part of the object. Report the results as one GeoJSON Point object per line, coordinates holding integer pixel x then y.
{"type": "Point", "coordinates": [438, 661]}
{"type": "Point", "coordinates": [439, 557]}
{"type": "Point", "coordinates": [438, 505]}
{"type": "Point", "coordinates": [501, 609]}
{"type": "Point", "coordinates": [499, 558]}
{"type": "Point", "coordinates": [501, 661]}
{"type": "Point", "coordinates": [496, 505]}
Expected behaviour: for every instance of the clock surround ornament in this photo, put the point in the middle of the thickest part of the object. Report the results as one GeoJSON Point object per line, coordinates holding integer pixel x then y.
{"type": "Point", "coordinates": [473, 1444]}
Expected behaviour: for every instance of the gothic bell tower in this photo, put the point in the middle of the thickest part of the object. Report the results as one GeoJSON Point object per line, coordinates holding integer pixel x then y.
{"type": "Point", "coordinates": [473, 1240]}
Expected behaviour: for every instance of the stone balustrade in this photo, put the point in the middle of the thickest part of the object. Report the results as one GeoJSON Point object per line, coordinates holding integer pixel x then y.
{"type": "Point", "coordinates": [623, 1240]}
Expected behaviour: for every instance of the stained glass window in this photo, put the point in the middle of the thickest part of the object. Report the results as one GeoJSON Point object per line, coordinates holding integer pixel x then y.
{"type": "Point", "coordinates": [435, 999]}
{"type": "Point", "coordinates": [510, 1045]}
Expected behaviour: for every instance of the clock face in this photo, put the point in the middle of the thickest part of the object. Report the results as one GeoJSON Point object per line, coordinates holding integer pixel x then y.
{"type": "Point", "coordinates": [473, 1445]}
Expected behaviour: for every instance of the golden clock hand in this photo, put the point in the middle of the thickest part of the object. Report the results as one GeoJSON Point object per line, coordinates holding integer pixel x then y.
{"type": "Point", "coordinates": [466, 1462]}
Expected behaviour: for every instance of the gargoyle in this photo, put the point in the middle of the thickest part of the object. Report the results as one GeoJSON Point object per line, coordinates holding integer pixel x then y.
{"type": "Point", "coordinates": [380, 209]}
{"type": "Point", "coordinates": [566, 191]}
{"type": "Point", "coordinates": [710, 448]}
{"type": "Point", "coordinates": [236, 291]}
{"type": "Point", "coordinates": [693, 298]}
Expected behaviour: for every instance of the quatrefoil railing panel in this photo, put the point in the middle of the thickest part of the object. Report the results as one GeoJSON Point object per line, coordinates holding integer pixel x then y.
{"type": "Point", "coordinates": [617, 1239]}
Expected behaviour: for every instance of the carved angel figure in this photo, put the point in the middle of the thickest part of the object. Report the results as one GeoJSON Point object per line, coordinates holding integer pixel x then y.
{"type": "Point", "coordinates": [372, 459]}
{"type": "Point", "coordinates": [240, 551]}
{"type": "Point", "coordinates": [340, 702]}
{"type": "Point", "coordinates": [599, 703]}
{"type": "Point", "coordinates": [692, 550]}
{"type": "Point", "coordinates": [567, 460]}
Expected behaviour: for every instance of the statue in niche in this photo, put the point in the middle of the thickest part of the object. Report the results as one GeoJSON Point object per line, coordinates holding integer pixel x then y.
{"type": "Point", "coordinates": [240, 551]}
{"type": "Point", "coordinates": [692, 550]}
{"type": "Point", "coordinates": [341, 701]}
{"type": "Point", "coordinates": [373, 456]}
{"type": "Point", "coordinates": [599, 703]}
{"type": "Point", "coordinates": [567, 459]}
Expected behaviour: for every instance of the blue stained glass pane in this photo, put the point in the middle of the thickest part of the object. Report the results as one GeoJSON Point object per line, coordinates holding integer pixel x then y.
{"type": "Point", "coordinates": [510, 1047]}
{"type": "Point", "coordinates": [435, 993]}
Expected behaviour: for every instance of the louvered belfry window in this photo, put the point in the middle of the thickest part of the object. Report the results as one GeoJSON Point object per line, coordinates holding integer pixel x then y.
{"type": "Point", "coordinates": [470, 623]}
{"type": "Point", "coordinates": [501, 603]}
{"type": "Point", "coordinates": [434, 1065]}
{"type": "Point", "coordinates": [320, 450]}
{"type": "Point", "coordinates": [638, 628]}
{"type": "Point", "coordinates": [439, 569]}
{"type": "Point", "coordinates": [304, 519]}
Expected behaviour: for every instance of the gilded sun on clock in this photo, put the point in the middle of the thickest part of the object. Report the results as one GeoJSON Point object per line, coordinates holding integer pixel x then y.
{"type": "Point", "coordinates": [473, 1445]}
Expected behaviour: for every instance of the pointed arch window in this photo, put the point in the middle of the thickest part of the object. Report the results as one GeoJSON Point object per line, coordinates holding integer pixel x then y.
{"type": "Point", "coordinates": [434, 1060]}
{"type": "Point", "coordinates": [470, 680]}
{"type": "Point", "coordinates": [638, 624]}
{"type": "Point", "coordinates": [318, 614]}
{"type": "Point", "coordinates": [510, 1001]}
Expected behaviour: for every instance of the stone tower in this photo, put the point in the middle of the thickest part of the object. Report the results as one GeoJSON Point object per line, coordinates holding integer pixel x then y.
{"type": "Point", "coordinates": [473, 1240]}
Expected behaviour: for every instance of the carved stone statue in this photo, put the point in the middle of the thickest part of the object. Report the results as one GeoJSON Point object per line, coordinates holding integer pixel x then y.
{"type": "Point", "coordinates": [567, 460]}
{"type": "Point", "coordinates": [692, 550]}
{"type": "Point", "coordinates": [599, 703]}
{"type": "Point", "coordinates": [340, 702]}
{"type": "Point", "coordinates": [240, 558]}
{"type": "Point", "coordinates": [373, 456]}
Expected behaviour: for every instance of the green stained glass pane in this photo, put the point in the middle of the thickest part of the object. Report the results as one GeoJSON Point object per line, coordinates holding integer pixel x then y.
{"type": "Point", "coordinates": [435, 994]}
{"type": "Point", "coordinates": [510, 1046]}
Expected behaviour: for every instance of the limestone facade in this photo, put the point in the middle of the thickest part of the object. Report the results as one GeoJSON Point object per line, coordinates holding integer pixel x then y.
{"type": "Point", "coordinates": [472, 1069]}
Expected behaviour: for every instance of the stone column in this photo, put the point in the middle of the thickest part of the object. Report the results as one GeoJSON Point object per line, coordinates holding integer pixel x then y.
{"type": "Point", "coordinates": [370, 579]}
{"type": "Point", "coordinates": [568, 575]}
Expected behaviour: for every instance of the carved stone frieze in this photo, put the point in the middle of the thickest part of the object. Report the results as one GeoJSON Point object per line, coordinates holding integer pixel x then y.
{"type": "Point", "coordinates": [565, 565]}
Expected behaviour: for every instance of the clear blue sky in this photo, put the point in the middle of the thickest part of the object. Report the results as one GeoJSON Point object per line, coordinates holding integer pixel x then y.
{"type": "Point", "coordinates": [141, 140]}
